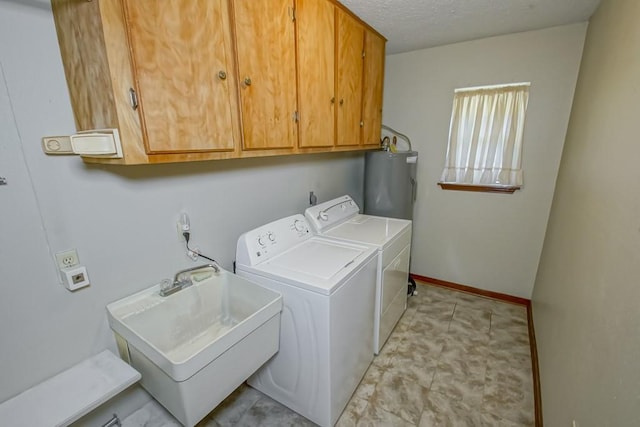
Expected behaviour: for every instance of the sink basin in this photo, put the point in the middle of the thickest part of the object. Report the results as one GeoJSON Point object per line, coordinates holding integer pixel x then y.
{"type": "Point", "coordinates": [194, 347]}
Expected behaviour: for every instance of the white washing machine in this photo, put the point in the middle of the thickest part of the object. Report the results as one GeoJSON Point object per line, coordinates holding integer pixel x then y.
{"type": "Point", "coordinates": [340, 219]}
{"type": "Point", "coordinates": [328, 292]}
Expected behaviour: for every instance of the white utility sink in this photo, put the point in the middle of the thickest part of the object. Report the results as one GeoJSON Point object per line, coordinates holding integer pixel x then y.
{"type": "Point", "coordinates": [194, 347]}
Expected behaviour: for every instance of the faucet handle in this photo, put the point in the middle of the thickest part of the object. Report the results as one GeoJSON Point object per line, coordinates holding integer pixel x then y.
{"type": "Point", "coordinates": [215, 266]}
{"type": "Point", "coordinates": [165, 285]}
{"type": "Point", "coordinates": [183, 278]}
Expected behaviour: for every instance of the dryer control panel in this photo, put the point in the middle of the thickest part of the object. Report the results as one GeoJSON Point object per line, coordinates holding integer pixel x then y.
{"type": "Point", "coordinates": [262, 243]}
{"type": "Point", "coordinates": [330, 213]}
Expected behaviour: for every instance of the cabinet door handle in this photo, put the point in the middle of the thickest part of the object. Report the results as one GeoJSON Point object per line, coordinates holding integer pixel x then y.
{"type": "Point", "coordinates": [333, 100]}
{"type": "Point", "coordinates": [133, 98]}
{"type": "Point", "coordinates": [341, 101]}
{"type": "Point", "coordinates": [222, 75]}
{"type": "Point", "coordinates": [247, 81]}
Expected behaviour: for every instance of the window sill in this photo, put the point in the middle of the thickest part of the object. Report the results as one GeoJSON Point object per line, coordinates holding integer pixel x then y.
{"type": "Point", "coordinates": [478, 188]}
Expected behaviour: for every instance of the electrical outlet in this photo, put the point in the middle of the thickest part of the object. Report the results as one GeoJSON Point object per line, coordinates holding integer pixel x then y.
{"type": "Point", "coordinates": [184, 225]}
{"type": "Point", "coordinates": [57, 145]}
{"type": "Point", "coordinates": [67, 259]}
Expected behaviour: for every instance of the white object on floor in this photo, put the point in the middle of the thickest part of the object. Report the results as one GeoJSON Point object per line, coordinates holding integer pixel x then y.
{"type": "Point", "coordinates": [340, 219]}
{"type": "Point", "coordinates": [328, 290]}
{"type": "Point", "coordinates": [66, 397]}
{"type": "Point", "coordinates": [195, 346]}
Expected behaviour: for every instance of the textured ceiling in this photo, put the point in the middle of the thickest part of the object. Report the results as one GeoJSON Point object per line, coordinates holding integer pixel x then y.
{"type": "Point", "coordinates": [418, 24]}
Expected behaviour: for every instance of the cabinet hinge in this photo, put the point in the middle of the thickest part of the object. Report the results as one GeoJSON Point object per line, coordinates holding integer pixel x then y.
{"type": "Point", "coordinates": [133, 98]}
{"type": "Point", "coordinates": [292, 13]}
{"type": "Point", "coordinates": [364, 53]}
{"type": "Point", "coordinates": [296, 116]}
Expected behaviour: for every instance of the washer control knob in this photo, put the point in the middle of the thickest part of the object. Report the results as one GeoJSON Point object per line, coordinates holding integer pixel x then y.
{"type": "Point", "coordinates": [298, 225]}
{"type": "Point", "coordinates": [260, 241]}
{"type": "Point", "coordinates": [271, 237]}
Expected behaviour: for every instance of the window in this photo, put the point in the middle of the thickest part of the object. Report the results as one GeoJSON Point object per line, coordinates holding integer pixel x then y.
{"type": "Point", "coordinates": [485, 139]}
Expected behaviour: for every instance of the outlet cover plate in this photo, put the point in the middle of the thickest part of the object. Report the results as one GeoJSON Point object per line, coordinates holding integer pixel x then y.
{"type": "Point", "coordinates": [67, 259]}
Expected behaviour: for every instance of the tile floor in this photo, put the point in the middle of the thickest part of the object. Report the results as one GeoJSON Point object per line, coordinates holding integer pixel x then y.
{"type": "Point", "coordinates": [454, 359]}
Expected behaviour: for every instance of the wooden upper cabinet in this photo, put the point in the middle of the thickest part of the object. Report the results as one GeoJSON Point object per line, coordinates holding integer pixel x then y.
{"type": "Point", "coordinates": [95, 54]}
{"type": "Point", "coordinates": [350, 42]}
{"type": "Point", "coordinates": [161, 72]}
{"type": "Point", "coordinates": [373, 84]}
{"type": "Point", "coordinates": [265, 40]}
{"type": "Point", "coordinates": [186, 80]}
{"type": "Point", "coordinates": [315, 21]}
{"type": "Point", "coordinates": [183, 66]}
{"type": "Point", "coordinates": [340, 71]}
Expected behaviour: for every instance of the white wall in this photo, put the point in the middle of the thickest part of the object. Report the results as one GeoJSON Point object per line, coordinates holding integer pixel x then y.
{"type": "Point", "coordinates": [586, 301]}
{"type": "Point", "coordinates": [122, 220]}
{"type": "Point", "coordinates": [489, 241]}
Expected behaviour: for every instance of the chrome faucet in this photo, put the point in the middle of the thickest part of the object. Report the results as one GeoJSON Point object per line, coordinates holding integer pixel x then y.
{"type": "Point", "coordinates": [182, 279]}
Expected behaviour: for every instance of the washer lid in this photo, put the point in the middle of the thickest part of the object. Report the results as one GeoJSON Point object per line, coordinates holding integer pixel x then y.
{"type": "Point", "coordinates": [369, 229]}
{"type": "Point", "coordinates": [318, 264]}
{"type": "Point", "coordinates": [317, 258]}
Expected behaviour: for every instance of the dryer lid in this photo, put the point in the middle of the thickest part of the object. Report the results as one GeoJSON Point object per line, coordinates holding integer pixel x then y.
{"type": "Point", "coordinates": [368, 229]}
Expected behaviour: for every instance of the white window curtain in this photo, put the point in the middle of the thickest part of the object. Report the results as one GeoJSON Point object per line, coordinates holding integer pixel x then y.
{"type": "Point", "coordinates": [485, 136]}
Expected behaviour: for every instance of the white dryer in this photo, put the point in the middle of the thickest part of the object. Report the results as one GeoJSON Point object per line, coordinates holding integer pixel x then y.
{"type": "Point", "coordinates": [328, 292]}
{"type": "Point", "coordinates": [340, 219]}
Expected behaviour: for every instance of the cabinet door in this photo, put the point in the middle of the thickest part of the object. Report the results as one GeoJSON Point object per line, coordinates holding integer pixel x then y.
{"type": "Point", "coordinates": [372, 90]}
{"type": "Point", "coordinates": [350, 49]}
{"type": "Point", "coordinates": [316, 72]}
{"type": "Point", "coordinates": [182, 57]}
{"type": "Point", "coordinates": [265, 37]}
